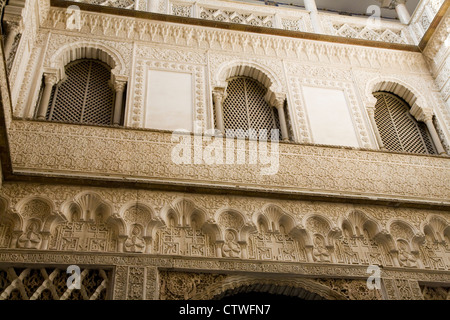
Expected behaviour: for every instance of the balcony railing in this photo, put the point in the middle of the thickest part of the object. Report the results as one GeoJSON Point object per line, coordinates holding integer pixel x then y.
{"type": "Point", "coordinates": [290, 18]}
{"type": "Point", "coordinates": [146, 156]}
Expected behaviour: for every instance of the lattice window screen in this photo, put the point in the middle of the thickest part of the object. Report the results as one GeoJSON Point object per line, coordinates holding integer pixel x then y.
{"type": "Point", "coordinates": [245, 108]}
{"type": "Point", "coordinates": [84, 96]}
{"type": "Point", "coordinates": [50, 283]}
{"type": "Point", "coordinates": [398, 129]}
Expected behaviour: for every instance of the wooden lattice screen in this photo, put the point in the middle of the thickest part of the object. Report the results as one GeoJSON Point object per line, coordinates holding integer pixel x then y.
{"type": "Point", "coordinates": [398, 129]}
{"type": "Point", "coordinates": [245, 108]}
{"type": "Point", "coordinates": [84, 96]}
{"type": "Point", "coordinates": [51, 284]}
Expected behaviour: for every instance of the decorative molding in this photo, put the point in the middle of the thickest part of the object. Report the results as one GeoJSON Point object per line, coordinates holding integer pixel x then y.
{"type": "Point", "coordinates": [363, 28]}
{"type": "Point", "coordinates": [104, 221]}
{"type": "Point", "coordinates": [347, 171]}
{"type": "Point", "coordinates": [201, 37]}
{"type": "Point", "coordinates": [325, 78]}
{"type": "Point", "coordinates": [51, 284]}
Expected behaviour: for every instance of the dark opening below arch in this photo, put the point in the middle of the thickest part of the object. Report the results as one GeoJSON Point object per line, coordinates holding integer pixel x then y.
{"type": "Point", "coordinates": [266, 292]}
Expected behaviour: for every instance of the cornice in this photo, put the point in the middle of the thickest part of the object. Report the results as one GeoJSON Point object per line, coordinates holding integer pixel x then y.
{"type": "Point", "coordinates": [5, 97]}
{"type": "Point", "coordinates": [202, 264]}
{"type": "Point", "coordinates": [440, 33]}
{"type": "Point", "coordinates": [436, 31]}
{"type": "Point", "coordinates": [149, 16]}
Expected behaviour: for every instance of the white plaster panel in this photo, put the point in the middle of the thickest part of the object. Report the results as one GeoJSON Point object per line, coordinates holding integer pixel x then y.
{"type": "Point", "coordinates": [169, 100]}
{"type": "Point", "coordinates": [329, 117]}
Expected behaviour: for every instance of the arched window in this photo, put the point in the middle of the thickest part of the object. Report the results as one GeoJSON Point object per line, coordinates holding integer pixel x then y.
{"type": "Point", "coordinates": [398, 129]}
{"type": "Point", "coordinates": [84, 96]}
{"type": "Point", "coordinates": [245, 108]}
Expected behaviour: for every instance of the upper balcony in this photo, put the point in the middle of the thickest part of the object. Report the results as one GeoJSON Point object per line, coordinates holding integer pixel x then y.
{"type": "Point", "coordinates": [371, 26]}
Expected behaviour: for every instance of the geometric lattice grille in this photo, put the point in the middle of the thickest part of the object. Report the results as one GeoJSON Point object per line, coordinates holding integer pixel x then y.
{"type": "Point", "coordinates": [84, 96]}
{"type": "Point", "coordinates": [398, 129]}
{"type": "Point", "coordinates": [245, 108]}
{"type": "Point", "coordinates": [51, 284]}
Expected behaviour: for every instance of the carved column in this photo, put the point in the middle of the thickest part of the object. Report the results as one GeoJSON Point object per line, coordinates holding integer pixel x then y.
{"type": "Point", "coordinates": [279, 104]}
{"type": "Point", "coordinates": [13, 29]}
{"type": "Point", "coordinates": [119, 87]}
{"type": "Point", "coordinates": [13, 19]}
{"type": "Point", "coordinates": [218, 98]}
{"type": "Point", "coordinates": [120, 243]}
{"type": "Point", "coordinates": [371, 112]}
{"type": "Point", "coordinates": [426, 115]}
{"type": "Point", "coordinates": [310, 5]}
{"type": "Point", "coordinates": [15, 238]}
{"type": "Point", "coordinates": [402, 11]}
{"type": "Point", "coordinates": [50, 80]}
{"type": "Point", "coordinates": [400, 7]}
{"type": "Point", "coordinates": [148, 244]}
{"type": "Point", "coordinates": [434, 135]}
{"type": "Point", "coordinates": [45, 239]}
{"type": "Point", "coordinates": [219, 244]}
{"type": "Point", "coordinates": [244, 248]}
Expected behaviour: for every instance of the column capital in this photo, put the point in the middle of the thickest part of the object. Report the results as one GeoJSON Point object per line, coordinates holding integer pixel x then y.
{"type": "Point", "coordinates": [371, 110]}
{"type": "Point", "coordinates": [119, 85]}
{"type": "Point", "coordinates": [13, 25]}
{"type": "Point", "coordinates": [370, 105]}
{"type": "Point", "coordinates": [50, 78]}
{"type": "Point", "coordinates": [275, 99]}
{"type": "Point", "coordinates": [420, 113]}
{"type": "Point", "coordinates": [278, 100]}
{"type": "Point", "coordinates": [219, 93]}
{"type": "Point", "coordinates": [117, 77]}
{"type": "Point", "coordinates": [279, 103]}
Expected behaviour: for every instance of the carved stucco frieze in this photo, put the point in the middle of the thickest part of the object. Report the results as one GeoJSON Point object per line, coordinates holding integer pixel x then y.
{"type": "Point", "coordinates": [59, 43]}
{"type": "Point", "coordinates": [402, 289]}
{"type": "Point", "coordinates": [280, 231]}
{"type": "Point", "coordinates": [339, 169]}
{"type": "Point", "coordinates": [206, 38]}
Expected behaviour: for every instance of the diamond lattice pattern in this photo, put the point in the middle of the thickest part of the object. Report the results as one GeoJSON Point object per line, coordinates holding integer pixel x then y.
{"type": "Point", "coordinates": [245, 108]}
{"type": "Point", "coordinates": [84, 96]}
{"type": "Point", "coordinates": [398, 129]}
{"type": "Point", "coordinates": [51, 284]}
